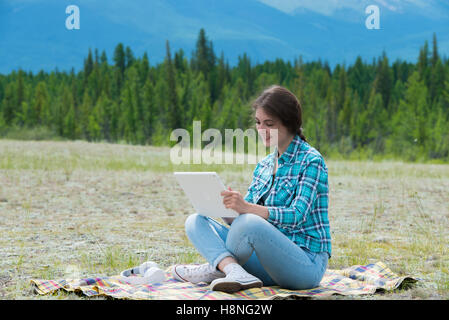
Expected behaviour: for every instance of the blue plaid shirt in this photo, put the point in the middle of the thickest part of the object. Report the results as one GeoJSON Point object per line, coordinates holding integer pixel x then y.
{"type": "Point", "coordinates": [298, 200]}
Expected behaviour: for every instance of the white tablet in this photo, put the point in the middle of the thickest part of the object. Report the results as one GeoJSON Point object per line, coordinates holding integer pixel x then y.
{"type": "Point", "coordinates": [203, 190]}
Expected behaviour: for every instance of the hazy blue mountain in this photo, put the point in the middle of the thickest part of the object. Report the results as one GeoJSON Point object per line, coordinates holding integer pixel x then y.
{"type": "Point", "coordinates": [33, 35]}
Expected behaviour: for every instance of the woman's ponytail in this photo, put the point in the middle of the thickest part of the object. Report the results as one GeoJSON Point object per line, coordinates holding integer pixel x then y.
{"type": "Point", "coordinates": [301, 135]}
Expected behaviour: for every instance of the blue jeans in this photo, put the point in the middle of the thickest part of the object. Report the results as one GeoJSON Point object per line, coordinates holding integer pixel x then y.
{"type": "Point", "coordinates": [260, 248]}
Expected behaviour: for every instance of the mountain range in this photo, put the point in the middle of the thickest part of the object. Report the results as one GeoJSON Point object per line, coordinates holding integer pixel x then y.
{"type": "Point", "coordinates": [34, 37]}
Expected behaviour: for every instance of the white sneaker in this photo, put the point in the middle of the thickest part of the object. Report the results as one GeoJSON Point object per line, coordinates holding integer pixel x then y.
{"type": "Point", "coordinates": [236, 279]}
{"type": "Point", "coordinates": [196, 273]}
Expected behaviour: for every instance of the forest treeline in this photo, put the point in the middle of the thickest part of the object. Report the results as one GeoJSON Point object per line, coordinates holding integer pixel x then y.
{"type": "Point", "coordinates": [384, 108]}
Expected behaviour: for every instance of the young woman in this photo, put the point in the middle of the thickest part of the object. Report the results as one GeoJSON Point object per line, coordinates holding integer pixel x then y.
{"type": "Point", "coordinates": [281, 236]}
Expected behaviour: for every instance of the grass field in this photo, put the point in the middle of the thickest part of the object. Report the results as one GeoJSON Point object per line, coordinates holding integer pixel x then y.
{"type": "Point", "coordinates": [78, 209]}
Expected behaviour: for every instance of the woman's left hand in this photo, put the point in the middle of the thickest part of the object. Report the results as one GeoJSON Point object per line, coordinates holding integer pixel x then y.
{"type": "Point", "coordinates": [234, 200]}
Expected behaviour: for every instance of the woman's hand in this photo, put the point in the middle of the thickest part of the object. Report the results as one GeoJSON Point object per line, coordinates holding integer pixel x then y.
{"type": "Point", "coordinates": [234, 200]}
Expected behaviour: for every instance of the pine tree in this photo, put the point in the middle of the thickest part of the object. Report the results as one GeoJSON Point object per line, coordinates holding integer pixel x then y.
{"type": "Point", "coordinates": [439, 136]}
{"type": "Point", "coordinates": [195, 102]}
{"type": "Point", "coordinates": [345, 115]}
{"type": "Point", "coordinates": [102, 115]}
{"type": "Point", "coordinates": [315, 126]}
{"type": "Point", "coordinates": [74, 88]}
{"type": "Point", "coordinates": [161, 132]}
{"type": "Point", "coordinates": [149, 110]}
{"type": "Point", "coordinates": [342, 88]}
{"type": "Point", "coordinates": [139, 116]}
{"type": "Point", "coordinates": [437, 73]}
{"type": "Point", "coordinates": [375, 126]}
{"type": "Point", "coordinates": [115, 118]}
{"type": "Point", "coordinates": [9, 104]}
{"type": "Point", "coordinates": [3, 126]}
{"type": "Point", "coordinates": [186, 98]}
{"type": "Point", "coordinates": [119, 58]}
{"type": "Point", "coordinates": [423, 63]}
{"type": "Point", "coordinates": [203, 58]}
{"type": "Point", "coordinates": [64, 107]}
{"type": "Point", "coordinates": [93, 128]}
{"type": "Point", "coordinates": [128, 117]}
{"type": "Point", "coordinates": [88, 66]}
{"type": "Point", "coordinates": [2, 93]}
{"type": "Point", "coordinates": [161, 103]}
{"type": "Point", "coordinates": [85, 110]}
{"type": "Point", "coordinates": [69, 129]}
{"type": "Point", "coordinates": [437, 79]}
{"type": "Point", "coordinates": [358, 79]}
{"type": "Point", "coordinates": [435, 55]}
{"type": "Point", "coordinates": [396, 95]}
{"type": "Point", "coordinates": [24, 116]}
{"type": "Point", "coordinates": [144, 69]}
{"type": "Point", "coordinates": [384, 81]}
{"type": "Point", "coordinates": [129, 57]}
{"type": "Point", "coordinates": [179, 61]}
{"type": "Point", "coordinates": [96, 59]}
{"type": "Point", "coordinates": [174, 116]}
{"type": "Point", "coordinates": [103, 58]}
{"type": "Point", "coordinates": [331, 115]}
{"type": "Point", "coordinates": [120, 64]}
{"type": "Point", "coordinates": [204, 103]}
{"type": "Point", "coordinates": [94, 84]}
{"type": "Point", "coordinates": [228, 118]}
{"type": "Point", "coordinates": [357, 123]}
{"type": "Point", "coordinates": [20, 89]}
{"type": "Point", "coordinates": [40, 107]}
{"type": "Point", "coordinates": [244, 72]}
{"type": "Point", "coordinates": [104, 75]}
{"type": "Point", "coordinates": [222, 77]}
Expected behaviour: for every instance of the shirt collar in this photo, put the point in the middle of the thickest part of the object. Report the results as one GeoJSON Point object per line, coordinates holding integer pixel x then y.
{"type": "Point", "coordinates": [291, 150]}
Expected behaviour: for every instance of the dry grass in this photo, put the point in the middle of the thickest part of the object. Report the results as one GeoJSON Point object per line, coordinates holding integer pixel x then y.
{"type": "Point", "coordinates": [78, 209]}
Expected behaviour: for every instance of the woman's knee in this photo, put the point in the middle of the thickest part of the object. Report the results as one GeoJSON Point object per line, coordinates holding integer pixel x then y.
{"type": "Point", "coordinates": [192, 221]}
{"type": "Point", "coordinates": [247, 222]}
{"type": "Point", "coordinates": [244, 235]}
{"type": "Point", "coordinates": [245, 225]}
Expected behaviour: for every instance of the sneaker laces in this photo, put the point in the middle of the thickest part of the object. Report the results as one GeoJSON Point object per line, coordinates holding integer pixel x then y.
{"type": "Point", "coordinates": [199, 270]}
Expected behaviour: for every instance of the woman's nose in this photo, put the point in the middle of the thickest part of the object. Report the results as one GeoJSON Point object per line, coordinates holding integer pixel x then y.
{"type": "Point", "coordinates": [263, 131]}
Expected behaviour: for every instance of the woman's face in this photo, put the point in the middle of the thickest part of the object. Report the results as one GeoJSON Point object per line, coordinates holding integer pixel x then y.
{"type": "Point", "coordinates": [267, 128]}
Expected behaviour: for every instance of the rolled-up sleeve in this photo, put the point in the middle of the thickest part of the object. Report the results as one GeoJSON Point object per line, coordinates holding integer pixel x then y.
{"type": "Point", "coordinates": [249, 196]}
{"type": "Point", "coordinates": [306, 193]}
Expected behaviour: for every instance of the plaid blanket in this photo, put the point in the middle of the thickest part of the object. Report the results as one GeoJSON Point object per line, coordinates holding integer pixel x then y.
{"type": "Point", "coordinates": [355, 280]}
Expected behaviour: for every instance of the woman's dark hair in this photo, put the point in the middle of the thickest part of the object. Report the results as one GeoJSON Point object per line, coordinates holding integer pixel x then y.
{"type": "Point", "coordinates": [280, 103]}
